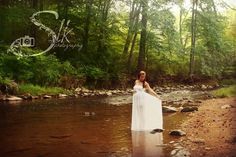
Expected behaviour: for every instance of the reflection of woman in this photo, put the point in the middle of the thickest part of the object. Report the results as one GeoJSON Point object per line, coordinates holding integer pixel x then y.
{"type": "Point", "coordinates": [146, 107]}
{"type": "Point", "coordinates": [146, 144]}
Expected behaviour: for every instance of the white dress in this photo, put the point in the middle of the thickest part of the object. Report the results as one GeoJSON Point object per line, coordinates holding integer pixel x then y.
{"type": "Point", "coordinates": [146, 111]}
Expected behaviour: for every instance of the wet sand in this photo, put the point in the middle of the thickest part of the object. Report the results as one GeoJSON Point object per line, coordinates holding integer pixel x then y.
{"type": "Point", "coordinates": [211, 131]}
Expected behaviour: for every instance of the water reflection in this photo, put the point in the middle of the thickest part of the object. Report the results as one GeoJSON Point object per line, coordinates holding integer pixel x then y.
{"type": "Point", "coordinates": [146, 144]}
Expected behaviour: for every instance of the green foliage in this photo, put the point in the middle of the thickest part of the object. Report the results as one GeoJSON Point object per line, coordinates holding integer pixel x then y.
{"type": "Point", "coordinates": [14, 22]}
{"type": "Point", "coordinates": [225, 92]}
{"type": "Point", "coordinates": [4, 81]}
{"type": "Point", "coordinates": [16, 69]}
{"type": "Point", "coordinates": [93, 72]}
{"type": "Point", "coordinates": [94, 75]}
{"type": "Point", "coordinates": [46, 70]}
{"type": "Point", "coordinates": [42, 70]}
{"type": "Point", "coordinates": [38, 90]}
{"type": "Point", "coordinates": [228, 81]}
{"type": "Point", "coordinates": [103, 26]}
{"type": "Point", "coordinates": [211, 48]}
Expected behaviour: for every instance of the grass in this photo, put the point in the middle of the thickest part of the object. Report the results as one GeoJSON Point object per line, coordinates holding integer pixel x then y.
{"type": "Point", "coordinates": [229, 91]}
{"type": "Point", "coordinates": [38, 90]}
{"type": "Point", "coordinates": [228, 81]}
{"type": "Point", "coordinates": [5, 81]}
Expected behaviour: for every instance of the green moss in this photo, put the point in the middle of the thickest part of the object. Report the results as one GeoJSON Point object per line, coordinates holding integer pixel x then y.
{"type": "Point", "coordinates": [225, 91]}
{"type": "Point", "coordinates": [38, 90]}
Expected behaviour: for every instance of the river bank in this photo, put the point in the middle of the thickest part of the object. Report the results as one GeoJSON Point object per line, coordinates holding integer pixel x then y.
{"type": "Point", "coordinates": [212, 130]}
{"type": "Point", "coordinates": [31, 92]}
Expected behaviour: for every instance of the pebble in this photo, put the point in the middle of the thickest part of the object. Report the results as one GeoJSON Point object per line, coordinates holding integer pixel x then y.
{"type": "Point", "coordinates": [199, 141]}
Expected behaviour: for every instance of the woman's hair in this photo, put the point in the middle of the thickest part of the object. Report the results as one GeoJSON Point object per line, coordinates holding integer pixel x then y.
{"type": "Point", "coordinates": [139, 74]}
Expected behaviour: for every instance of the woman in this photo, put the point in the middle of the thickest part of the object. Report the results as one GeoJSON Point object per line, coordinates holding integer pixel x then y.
{"type": "Point", "coordinates": [146, 107]}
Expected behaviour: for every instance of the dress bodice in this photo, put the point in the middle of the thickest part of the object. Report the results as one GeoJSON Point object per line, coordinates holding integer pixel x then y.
{"type": "Point", "coordinates": [138, 88]}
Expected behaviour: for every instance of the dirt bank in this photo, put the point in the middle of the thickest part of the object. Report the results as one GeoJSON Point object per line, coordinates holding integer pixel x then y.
{"type": "Point", "coordinates": [211, 131]}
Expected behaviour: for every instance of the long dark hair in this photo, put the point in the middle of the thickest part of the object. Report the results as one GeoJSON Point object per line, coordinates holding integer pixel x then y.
{"type": "Point", "coordinates": [139, 74]}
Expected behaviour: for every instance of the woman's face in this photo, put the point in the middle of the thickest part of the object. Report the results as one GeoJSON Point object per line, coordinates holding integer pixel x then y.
{"type": "Point", "coordinates": [142, 76]}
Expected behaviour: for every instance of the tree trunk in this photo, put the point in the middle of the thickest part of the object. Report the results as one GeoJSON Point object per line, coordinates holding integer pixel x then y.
{"type": "Point", "coordinates": [134, 14]}
{"type": "Point", "coordinates": [131, 52]}
{"type": "Point", "coordinates": [41, 5]}
{"type": "Point", "coordinates": [136, 22]}
{"type": "Point", "coordinates": [87, 25]}
{"type": "Point", "coordinates": [33, 29]}
{"type": "Point", "coordinates": [62, 9]}
{"type": "Point", "coordinates": [193, 38]}
{"type": "Point", "coordinates": [180, 27]}
{"type": "Point", "coordinates": [129, 34]}
{"type": "Point", "coordinates": [104, 9]}
{"type": "Point", "coordinates": [142, 44]}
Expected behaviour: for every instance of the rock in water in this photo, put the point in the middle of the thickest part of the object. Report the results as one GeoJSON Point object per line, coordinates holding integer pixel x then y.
{"type": "Point", "coordinates": [189, 109]}
{"type": "Point", "coordinates": [177, 133]}
{"type": "Point", "coordinates": [61, 96]}
{"type": "Point", "coordinates": [203, 87]}
{"type": "Point", "coordinates": [169, 109]}
{"type": "Point", "coordinates": [60, 136]}
{"type": "Point", "coordinates": [108, 93]}
{"type": "Point", "coordinates": [34, 97]}
{"type": "Point", "coordinates": [180, 153]}
{"type": "Point", "coordinates": [9, 88]}
{"type": "Point", "coordinates": [89, 113]}
{"type": "Point", "coordinates": [47, 97]}
{"type": "Point", "coordinates": [86, 113]}
{"type": "Point", "coordinates": [225, 106]}
{"type": "Point", "coordinates": [13, 98]}
{"type": "Point", "coordinates": [156, 130]}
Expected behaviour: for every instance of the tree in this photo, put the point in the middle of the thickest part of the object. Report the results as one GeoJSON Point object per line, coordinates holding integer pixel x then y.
{"type": "Point", "coordinates": [133, 21]}
{"type": "Point", "coordinates": [87, 22]}
{"type": "Point", "coordinates": [193, 37]}
{"type": "Point", "coordinates": [142, 43]}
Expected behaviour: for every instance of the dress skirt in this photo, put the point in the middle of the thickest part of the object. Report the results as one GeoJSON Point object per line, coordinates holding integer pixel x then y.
{"type": "Point", "coordinates": [146, 112]}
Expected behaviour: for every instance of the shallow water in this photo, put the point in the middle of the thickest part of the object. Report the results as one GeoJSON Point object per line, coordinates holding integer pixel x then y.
{"type": "Point", "coordinates": [78, 127]}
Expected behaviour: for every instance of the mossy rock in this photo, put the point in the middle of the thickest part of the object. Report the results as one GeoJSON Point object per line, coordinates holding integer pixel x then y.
{"type": "Point", "coordinates": [9, 87]}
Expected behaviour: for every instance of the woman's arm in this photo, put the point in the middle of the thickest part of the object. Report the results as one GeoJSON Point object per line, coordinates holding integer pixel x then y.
{"type": "Point", "coordinates": [136, 81]}
{"type": "Point", "coordinates": [151, 91]}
